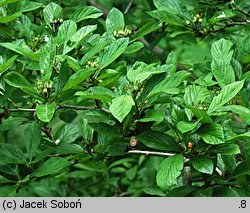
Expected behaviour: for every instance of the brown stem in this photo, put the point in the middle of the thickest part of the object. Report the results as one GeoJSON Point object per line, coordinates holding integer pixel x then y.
{"type": "Point", "coordinates": [102, 8]}
{"type": "Point", "coordinates": [232, 24]}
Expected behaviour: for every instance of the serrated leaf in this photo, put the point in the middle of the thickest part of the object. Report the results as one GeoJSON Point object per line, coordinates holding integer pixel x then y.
{"type": "Point", "coordinates": [53, 165]}
{"type": "Point", "coordinates": [7, 19]}
{"type": "Point", "coordinates": [78, 77]}
{"type": "Point", "coordinates": [68, 133]}
{"type": "Point", "coordinates": [86, 12]}
{"type": "Point", "coordinates": [146, 29]}
{"type": "Point", "coordinates": [226, 94]}
{"type": "Point", "coordinates": [97, 92]}
{"type": "Point", "coordinates": [114, 21]}
{"type": "Point", "coordinates": [211, 133]}
{"type": "Point", "coordinates": [32, 139]}
{"type": "Point", "coordinates": [17, 80]}
{"type": "Point", "coordinates": [203, 164]}
{"type": "Point", "coordinates": [134, 47]}
{"type": "Point", "coordinates": [66, 30]}
{"type": "Point", "coordinates": [51, 11]}
{"type": "Point", "coordinates": [227, 149]}
{"type": "Point", "coordinates": [185, 126]}
{"type": "Point", "coordinates": [140, 71]}
{"type": "Point", "coordinates": [172, 61]}
{"type": "Point", "coordinates": [169, 170]}
{"type": "Point", "coordinates": [45, 112]}
{"type": "Point", "coordinates": [21, 48]}
{"type": "Point", "coordinates": [113, 51]}
{"type": "Point", "coordinates": [167, 16]}
{"type": "Point", "coordinates": [158, 141]}
{"type": "Point", "coordinates": [170, 83]}
{"type": "Point", "coordinates": [11, 154]}
{"type": "Point", "coordinates": [121, 106]}
{"type": "Point", "coordinates": [5, 66]}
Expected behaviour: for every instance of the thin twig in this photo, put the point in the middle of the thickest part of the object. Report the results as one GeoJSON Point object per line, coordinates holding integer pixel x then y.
{"type": "Point", "coordinates": [21, 110]}
{"type": "Point", "coordinates": [232, 24]}
{"type": "Point", "coordinates": [128, 7]}
{"type": "Point", "coordinates": [244, 12]}
{"type": "Point", "coordinates": [102, 8]}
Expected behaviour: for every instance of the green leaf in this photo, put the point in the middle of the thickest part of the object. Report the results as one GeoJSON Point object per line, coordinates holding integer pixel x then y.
{"type": "Point", "coordinates": [181, 191]}
{"type": "Point", "coordinates": [68, 133]}
{"type": "Point", "coordinates": [3, 2]}
{"type": "Point", "coordinates": [45, 112]}
{"type": "Point", "coordinates": [86, 12]}
{"type": "Point", "coordinates": [241, 169]}
{"type": "Point", "coordinates": [51, 166]}
{"type": "Point", "coordinates": [92, 52]}
{"type": "Point", "coordinates": [211, 133]}
{"type": "Point", "coordinates": [223, 73]}
{"type": "Point", "coordinates": [115, 21]}
{"type": "Point", "coordinates": [7, 19]}
{"type": "Point", "coordinates": [78, 77]}
{"type": "Point", "coordinates": [195, 95]}
{"type": "Point", "coordinates": [82, 33]}
{"type": "Point", "coordinates": [32, 139]}
{"type": "Point", "coordinates": [140, 71]}
{"type": "Point", "coordinates": [11, 154]}
{"type": "Point", "coordinates": [46, 63]}
{"type": "Point", "coordinates": [176, 6]}
{"type": "Point", "coordinates": [11, 122]}
{"type": "Point", "coordinates": [97, 92]}
{"type": "Point", "coordinates": [51, 12]}
{"type": "Point", "coordinates": [167, 16]}
{"type": "Point", "coordinates": [86, 130]}
{"type": "Point", "coordinates": [185, 126]}
{"type": "Point", "coordinates": [226, 94]}
{"type": "Point", "coordinates": [170, 83]}
{"type": "Point", "coordinates": [21, 48]}
{"type": "Point", "coordinates": [26, 6]}
{"type": "Point", "coordinates": [241, 136]}
{"type": "Point", "coordinates": [203, 164]}
{"type": "Point", "coordinates": [66, 30]}
{"type": "Point", "coordinates": [172, 61]}
{"type": "Point", "coordinates": [242, 111]}
{"type": "Point", "coordinates": [113, 51]}
{"type": "Point", "coordinates": [106, 128]}
{"type": "Point", "coordinates": [5, 66]}
{"type": "Point", "coordinates": [8, 191]}
{"type": "Point", "coordinates": [153, 115]}
{"type": "Point", "coordinates": [154, 190]}
{"type": "Point", "coordinates": [227, 149]}
{"type": "Point", "coordinates": [17, 80]}
{"type": "Point", "coordinates": [221, 68]}
{"type": "Point", "coordinates": [67, 148]}
{"type": "Point", "coordinates": [221, 50]}
{"type": "Point", "coordinates": [121, 106]}
{"type": "Point", "coordinates": [24, 26]}
{"type": "Point", "coordinates": [146, 29]}
{"type": "Point", "coordinates": [169, 170]}
{"type": "Point", "coordinates": [202, 115]}
{"type": "Point", "coordinates": [158, 141]}
{"type": "Point", "coordinates": [134, 47]}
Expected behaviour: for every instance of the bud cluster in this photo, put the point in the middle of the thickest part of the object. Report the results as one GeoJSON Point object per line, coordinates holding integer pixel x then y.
{"type": "Point", "coordinates": [197, 18]}
{"type": "Point", "coordinates": [93, 64]}
{"type": "Point", "coordinates": [55, 21]}
{"type": "Point", "coordinates": [121, 33]}
{"type": "Point", "coordinates": [44, 89]}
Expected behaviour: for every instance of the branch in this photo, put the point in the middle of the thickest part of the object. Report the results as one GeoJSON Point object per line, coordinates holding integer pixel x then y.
{"type": "Point", "coordinates": [128, 7]}
{"type": "Point", "coordinates": [103, 9]}
{"type": "Point", "coordinates": [58, 107]}
{"type": "Point", "coordinates": [166, 154]}
{"type": "Point", "coordinates": [232, 24]}
{"type": "Point", "coordinates": [244, 12]}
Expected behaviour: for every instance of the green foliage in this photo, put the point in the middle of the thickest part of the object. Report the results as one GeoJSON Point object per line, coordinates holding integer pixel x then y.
{"type": "Point", "coordinates": [86, 91]}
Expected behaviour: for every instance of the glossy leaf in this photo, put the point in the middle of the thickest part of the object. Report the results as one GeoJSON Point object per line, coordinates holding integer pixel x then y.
{"type": "Point", "coordinates": [33, 138]}
{"type": "Point", "coordinates": [51, 12]}
{"type": "Point", "coordinates": [226, 94]}
{"type": "Point", "coordinates": [45, 112]}
{"type": "Point", "coordinates": [158, 141]}
{"type": "Point", "coordinates": [185, 126]}
{"type": "Point", "coordinates": [121, 106]}
{"type": "Point", "coordinates": [203, 164]}
{"type": "Point", "coordinates": [169, 170]}
{"type": "Point", "coordinates": [10, 153]}
{"type": "Point", "coordinates": [5, 66]}
{"type": "Point", "coordinates": [211, 133]}
{"type": "Point", "coordinates": [115, 21]}
{"type": "Point", "coordinates": [67, 133]}
{"type": "Point", "coordinates": [113, 51]}
{"type": "Point", "coordinates": [53, 165]}
{"type": "Point", "coordinates": [86, 12]}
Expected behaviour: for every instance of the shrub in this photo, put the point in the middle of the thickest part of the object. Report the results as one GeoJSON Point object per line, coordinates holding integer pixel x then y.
{"type": "Point", "coordinates": [136, 99]}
